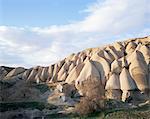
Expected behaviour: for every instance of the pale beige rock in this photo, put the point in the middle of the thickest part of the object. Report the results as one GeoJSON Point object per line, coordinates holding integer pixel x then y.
{"type": "Point", "coordinates": [131, 47]}
{"type": "Point", "coordinates": [124, 62]}
{"type": "Point", "coordinates": [139, 45]}
{"type": "Point", "coordinates": [87, 59]}
{"type": "Point", "coordinates": [108, 56]}
{"type": "Point", "coordinates": [87, 52]}
{"type": "Point", "coordinates": [113, 82]}
{"type": "Point", "coordinates": [94, 50]}
{"type": "Point", "coordinates": [89, 70]}
{"type": "Point", "coordinates": [44, 74]}
{"type": "Point", "coordinates": [146, 53]}
{"type": "Point", "coordinates": [63, 77]}
{"type": "Point", "coordinates": [32, 75]}
{"type": "Point", "coordinates": [100, 53]}
{"type": "Point", "coordinates": [60, 63]}
{"type": "Point", "coordinates": [140, 78]}
{"type": "Point", "coordinates": [50, 72]}
{"type": "Point", "coordinates": [26, 74]}
{"type": "Point", "coordinates": [71, 66]}
{"type": "Point", "coordinates": [96, 68]}
{"type": "Point", "coordinates": [15, 72]}
{"type": "Point", "coordinates": [38, 75]}
{"type": "Point", "coordinates": [144, 40]}
{"type": "Point", "coordinates": [112, 51]}
{"type": "Point", "coordinates": [70, 57]}
{"type": "Point", "coordinates": [126, 81]}
{"type": "Point", "coordinates": [60, 73]}
{"type": "Point", "coordinates": [139, 71]}
{"type": "Point", "coordinates": [83, 57]}
{"type": "Point", "coordinates": [79, 61]}
{"type": "Point", "coordinates": [75, 58]}
{"type": "Point", "coordinates": [55, 71]}
{"type": "Point", "coordinates": [102, 66]}
{"type": "Point", "coordinates": [135, 55]}
{"type": "Point", "coordinates": [118, 46]}
{"type": "Point", "coordinates": [73, 75]}
{"type": "Point", "coordinates": [116, 66]}
{"type": "Point", "coordinates": [67, 65]}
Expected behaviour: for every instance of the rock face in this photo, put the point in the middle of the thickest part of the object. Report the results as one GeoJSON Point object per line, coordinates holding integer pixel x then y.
{"type": "Point", "coordinates": [120, 70]}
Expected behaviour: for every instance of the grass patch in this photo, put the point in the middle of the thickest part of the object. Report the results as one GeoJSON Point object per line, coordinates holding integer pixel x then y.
{"type": "Point", "coordinates": [25, 105]}
{"type": "Point", "coordinates": [42, 87]}
{"type": "Point", "coordinates": [5, 85]}
{"type": "Point", "coordinates": [137, 113]}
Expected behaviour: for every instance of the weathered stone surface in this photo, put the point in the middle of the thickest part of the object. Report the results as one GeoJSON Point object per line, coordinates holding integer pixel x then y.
{"type": "Point", "coordinates": [120, 71]}
{"type": "Point", "coordinates": [15, 72]}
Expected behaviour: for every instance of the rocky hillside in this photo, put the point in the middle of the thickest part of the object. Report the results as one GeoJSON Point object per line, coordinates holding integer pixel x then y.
{"type": "Point", "coordinates": [122, 70]}
{"type": "Point", "coordinates": [119, 71]}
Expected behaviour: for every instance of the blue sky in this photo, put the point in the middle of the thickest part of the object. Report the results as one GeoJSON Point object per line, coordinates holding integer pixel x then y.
{"type": "Point", "coordinates": [42, 12]}
{"type": "Point", "coordinates": [42, 32]}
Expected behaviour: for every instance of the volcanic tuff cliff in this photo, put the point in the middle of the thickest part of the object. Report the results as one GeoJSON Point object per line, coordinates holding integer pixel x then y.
{"type": "Point", "coordinates": [121, 70]}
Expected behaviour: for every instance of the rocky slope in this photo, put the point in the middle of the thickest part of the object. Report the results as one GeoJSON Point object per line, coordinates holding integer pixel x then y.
{"type": "Point", "coordinates": [120, 71]}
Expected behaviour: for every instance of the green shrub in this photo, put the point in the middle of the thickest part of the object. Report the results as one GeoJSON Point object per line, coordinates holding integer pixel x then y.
{"type": "Point", "coordinates": [87, 106]}
{"type": "Point", "coordinates": [42, 87]}
{"type": "Point", "coordinates": [25, 105]}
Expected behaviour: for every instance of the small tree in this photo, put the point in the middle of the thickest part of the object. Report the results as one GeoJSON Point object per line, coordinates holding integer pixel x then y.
{"type": "Point", "coordinates": [93, 94]}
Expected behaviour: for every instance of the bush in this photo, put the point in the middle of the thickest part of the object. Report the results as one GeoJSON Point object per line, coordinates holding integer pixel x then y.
{"type": "Point", "coordinates": [42, 87]}
{"type": "Point", "coordinates": [93, 100]}
{"type": "Point", "coordinates": [87, 106]}
{"type": "Point", "coordinates": [92, 88]}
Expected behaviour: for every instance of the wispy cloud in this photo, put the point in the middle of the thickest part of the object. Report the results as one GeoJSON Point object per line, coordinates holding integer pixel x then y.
{"type": "Point", "coordinates": [106, 21]}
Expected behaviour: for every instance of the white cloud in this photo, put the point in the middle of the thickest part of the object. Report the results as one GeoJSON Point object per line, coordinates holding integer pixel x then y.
{"type": "Point", "coordinates": [106, 21]}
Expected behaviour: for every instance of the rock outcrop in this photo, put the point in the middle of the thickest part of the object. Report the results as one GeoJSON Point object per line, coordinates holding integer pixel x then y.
{"type": "Point", "coordinates": [120, 70]}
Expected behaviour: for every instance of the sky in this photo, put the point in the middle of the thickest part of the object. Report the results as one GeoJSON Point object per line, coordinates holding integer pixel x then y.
{"type": "Point", "coordinates": [42, 32]}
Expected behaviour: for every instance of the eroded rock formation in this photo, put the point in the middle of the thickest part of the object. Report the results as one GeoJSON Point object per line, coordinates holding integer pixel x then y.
{"type": "Point", "coordinates": [121, 70]}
